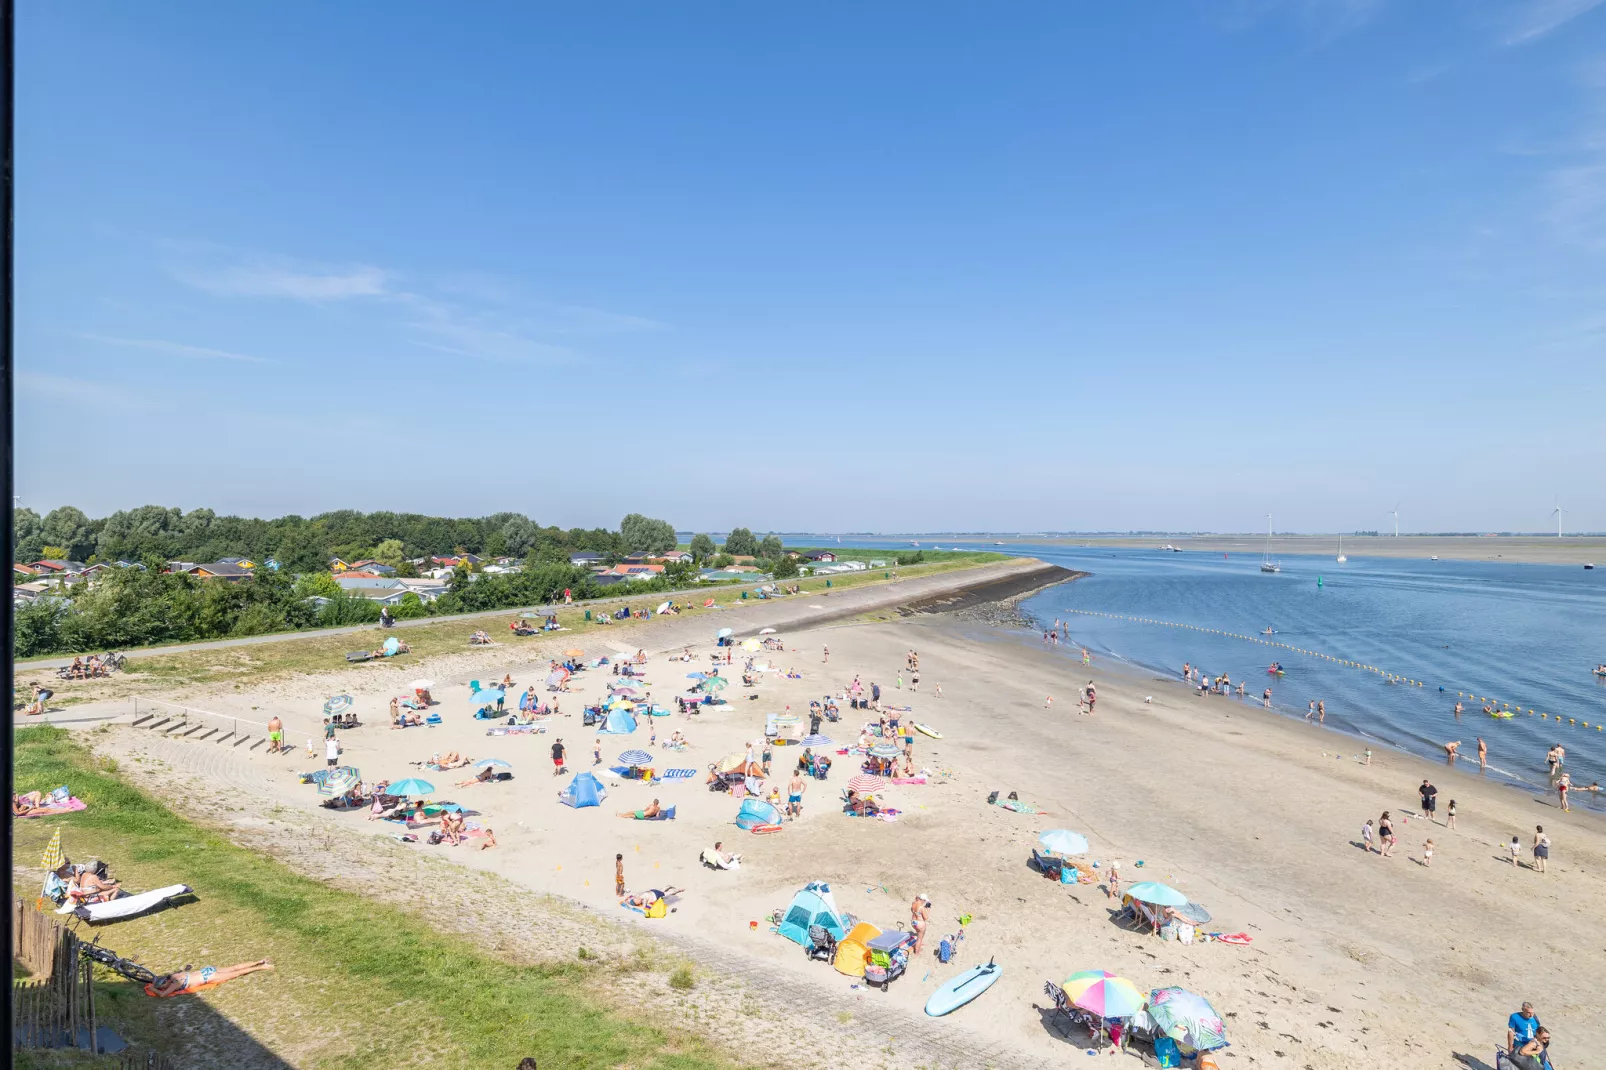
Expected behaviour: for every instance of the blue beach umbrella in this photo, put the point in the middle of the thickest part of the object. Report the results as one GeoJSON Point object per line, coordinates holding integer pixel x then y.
{"type": "Point", "coordinates": [724, 633]}
{"type": "Point", "coordinates": [1062, 842]}
{"type": "Point", "coordinates": [697, 676]}
{"type": "Point", "coordinates": [485, 762]}
{"type": "Point", "coordinates": [635, 759]}
{"type": "Point", "coordinates": [338, 704]}
{"type": "Point", "coordinates": [816, 741]}
{"type": "Point", "coordinates": [485, 698]}
{"type": "Point", "coordinates": [411, 786]}
{"type": "Point", "coordinates": [1159, 894]}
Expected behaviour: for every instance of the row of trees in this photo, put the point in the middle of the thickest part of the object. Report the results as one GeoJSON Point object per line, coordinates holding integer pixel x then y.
{"type": "Point", "coordinates": [138, 607]}
{"type": "Point", "coordinates": [305, 545]}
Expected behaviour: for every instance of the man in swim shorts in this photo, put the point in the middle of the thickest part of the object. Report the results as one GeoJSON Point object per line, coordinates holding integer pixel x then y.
{"type": "Point", "coordinates": [275, 735]}
{"type": "Point", "coordinates": [794, 795]}
{"type": "Point", "coordinates": [557, 758]}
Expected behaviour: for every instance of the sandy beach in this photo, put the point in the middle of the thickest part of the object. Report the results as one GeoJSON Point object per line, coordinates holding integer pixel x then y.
{"type": "Point", "coordinates": [1257, 817]}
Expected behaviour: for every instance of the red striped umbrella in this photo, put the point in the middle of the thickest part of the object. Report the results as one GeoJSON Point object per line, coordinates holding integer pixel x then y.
{"type": "Point", "coordinates": [866, 782]}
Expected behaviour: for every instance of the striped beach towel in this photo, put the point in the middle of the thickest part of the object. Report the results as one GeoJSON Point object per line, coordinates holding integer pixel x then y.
{"type": "Point", "coordinates": [678, 774]}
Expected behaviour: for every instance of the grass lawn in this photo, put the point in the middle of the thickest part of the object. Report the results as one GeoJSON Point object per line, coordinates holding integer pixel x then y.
{"type": "Point", "coordinates": [244, 665]}
{"type": "Point", "coordinates": [358, 983]}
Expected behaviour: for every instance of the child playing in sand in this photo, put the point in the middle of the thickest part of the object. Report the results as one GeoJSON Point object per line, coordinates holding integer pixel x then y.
{"type": "Point", "coordinates": [1427, 853]}
{"type": "Point", "coordinates": [490, 840]}
{"type": "Point", "coordinates": [1449, 816]}
{"type": "Point", "coordinates": [1516, 849]}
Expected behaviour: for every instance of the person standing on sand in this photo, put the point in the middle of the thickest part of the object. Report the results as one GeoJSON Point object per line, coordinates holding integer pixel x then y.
{"type": "Point", "coordinates": [1385, 834]}
{"type": "Point", "coordinates": [557, 758]}
{"type": "Point", "coordinates": [619, 874]}
{"type": "Point", "coordinates": [1483, 754]}
{"type": "Point", "coordinates": [1366, 835]}
{"type": "Point", "coordinates": [1048, 703]}
{"type": "Point", "coordinates": [1113, 880]}
{"type": "Point", "coordinates": [1430, 799]}
{"type": "Point", "coordinates": [939, 691]}
{"type": "Point", "coordinates": [1092, 697]}
{"type": "Point", "coordinates": [275, 735]}
{"type": "Point", "coordinates": [596, 752]}
{"type": "Point", "coordinates": [1449, 816]}
{"type": "Point", "coordinates": [919, 915]}
{"type": "Point", "coordinates": [1427, 853]}
{"type": "Point", "coordinates": [1541, 848]}
{"type": "Point", "coordinates": [794, 795]}
{"type": "Point", "coordinates": [1516, 849]}
{"type": "Point", "coordinates": [825, 654]}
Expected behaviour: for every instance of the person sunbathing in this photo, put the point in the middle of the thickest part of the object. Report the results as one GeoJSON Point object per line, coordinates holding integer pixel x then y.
{"type": "Point", "coordinates": [91, 887]}
{"type": "Point", "coordinates": [480, 639]}
{"type": "Point", "coordinates": [720, 859]}
{"type": "Point", "coordinates": [507, 681]}
{"type": "Point", "coordinates": [22, 805]}
{"type": "Point", "coordinates": [484, 776]}
{"type": "Point", "coordinates": [423, 695]}
{"type": "Point", "coordinates": [648, 814]}
{"type": "Point", "coordinates": [862, 805]}
{"type": "Point", "coordinates": [192, 980]}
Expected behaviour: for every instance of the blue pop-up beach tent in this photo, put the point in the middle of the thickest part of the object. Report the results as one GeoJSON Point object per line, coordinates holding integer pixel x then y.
{"type": "Point", "coordinates": [583, 790]}
{"type": "Point", "coordinates": [620, 722]}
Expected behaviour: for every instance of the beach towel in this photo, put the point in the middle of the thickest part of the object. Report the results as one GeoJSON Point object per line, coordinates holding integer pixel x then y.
{"type": "Point", "coordinates": [126, 906]}
{"type": "Point", "coordinates": [909, 780]}
{"type": "Point", "coordinates": [1019, 807]}
{"type": "Point", "coordinates": [679, 774]}
{"type": "Point", "coordinates": [72, 805]}
{"type": "Point", "coordinates": [1231, 938]}
{"type": "Point", "coordinates": [516, 730]}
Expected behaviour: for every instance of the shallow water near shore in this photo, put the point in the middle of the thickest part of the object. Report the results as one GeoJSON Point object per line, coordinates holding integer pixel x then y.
{"type": "Point", "coordinates": [1527, 635]}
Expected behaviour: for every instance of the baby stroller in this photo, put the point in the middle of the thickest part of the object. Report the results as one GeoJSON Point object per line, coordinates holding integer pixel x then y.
{"type": "Point", "coordinates": [822, 945]}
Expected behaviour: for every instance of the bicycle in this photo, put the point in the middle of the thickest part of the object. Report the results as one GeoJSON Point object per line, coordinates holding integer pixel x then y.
{"type": "Point", "coordinates": [112, 960]}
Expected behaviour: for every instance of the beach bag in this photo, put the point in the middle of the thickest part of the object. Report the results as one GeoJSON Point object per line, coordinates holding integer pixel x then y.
{"type": "Point", "coordinates": [1165, 1051]}
{"type": "Point", "coordinates": [1185, 934]}
{"type": "Point", "coordinates": [992, 798]}
{"type": "Point", "coordinates": [945, 950]}
{"type": "Point", "coordinates": [1068, 875]}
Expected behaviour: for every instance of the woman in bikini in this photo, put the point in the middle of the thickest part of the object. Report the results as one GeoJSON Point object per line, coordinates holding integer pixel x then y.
{"type": "Point", "coordinates": [191, 980]}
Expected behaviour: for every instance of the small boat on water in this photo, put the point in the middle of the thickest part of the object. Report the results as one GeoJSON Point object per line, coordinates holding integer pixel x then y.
{"type": "Point", "coordinates": [1266, 563]}
{"type": "Point", "coordinates": [1589, 564]}
{"type": "Point", "coordinates": [1435, 557]}
{"type": "Point", "coordinates": [1341, 557]}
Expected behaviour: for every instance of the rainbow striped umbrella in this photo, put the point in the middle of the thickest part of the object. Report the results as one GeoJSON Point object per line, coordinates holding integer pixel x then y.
{"type": "Point", "coordinates": [1104, 994]}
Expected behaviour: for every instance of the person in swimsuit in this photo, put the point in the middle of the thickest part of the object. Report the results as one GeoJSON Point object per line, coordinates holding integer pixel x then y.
{"type": "Point", "coordinates": [1449, 816]}
{"type": "Point", "coordinates": [919, 914]}
{"type": "Point", "coordinates": [794, 795]}
{"type": "Point", "coordinates": [1563, 785]}
{"type": "Point", "coordinates": [1541, 848]}
{"type": "Point", "coordinates": [191, 980]}
{"type": "Point", "coordinates": [1483, 754]}
{"type": "Point", "coordinates": [1385, 834]}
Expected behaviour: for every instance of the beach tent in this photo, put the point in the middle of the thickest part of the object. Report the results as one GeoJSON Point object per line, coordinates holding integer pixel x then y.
{"type": "Point", "coordinates": [812, 905]}
{"type": "Point", "coordinates": [854, 949]}
{"type": "Point", "coordinates": [583, 790]}
{"type": "Point", "coordinates": [621, 721]}
{"type": "Point", "coordinates": [757, 812]}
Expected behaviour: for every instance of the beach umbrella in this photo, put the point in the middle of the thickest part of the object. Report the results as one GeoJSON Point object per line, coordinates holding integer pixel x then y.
{"type": "Point", "coordinates": [709, 604]}
{"type": "Point", "coordinates": [663, 607]}
{"type": "Point", "coordinates": [1187, 1018]}
{"type": "Point", "coordinates": [421, 685]}
{"type": "Point", "coordinates": [1159, 894]}
{"type": "Point", "coordinates": [884, 750]}
{"type": "Point", "coordinates": [635, 759]}
{"type": "Point", "coordinates": [766, 631]}
{"type": "Point", "coordinates": [53, 854]}
{"type": "Point", "coordinates": [411, 786]}
{"type": "Point", "coordinates": [1062, 842]}
{"type": "Point", "coordinates": [751, 644]}
{"type": "Point", "coordinates": [574, 653]}
{"type": "Point", "coordinates": [1192, 912]}
{"type": "Point", "coordinates": [1104, 994]}
{"type": "Point", "coordinates": [339, 781]}
{"type": "Point", "coordinates": [724, 633]}
{"type": "Point", "coordinates": [338, 704]}
{"type": "Point", "coordinates": [484, 763]}
{"type": "Point", "coordinates": [816, 741]}
{"type": "Point", "coordinates": [866, 782]}
{"type": "Point", "coordinates": [623, 690]}
{"type": "Point", "coordinates": [485, 698]}
{"type": "Point", "coordinates": [556, 679]}
{"type": "Point", "coordinates": [697, 676]}
{"type": "Point", "coordinates": [718, 683]}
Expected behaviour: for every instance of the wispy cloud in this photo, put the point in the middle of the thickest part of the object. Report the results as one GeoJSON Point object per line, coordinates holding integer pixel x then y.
{"type": "Point", "coordinates": [177, 349]}
{"type": "Point", "coordinates": [469, 314]}
{"type": "Point", "coordinates": [283, 279]}
{"type": "Point", "coordinates": [1530, 21]}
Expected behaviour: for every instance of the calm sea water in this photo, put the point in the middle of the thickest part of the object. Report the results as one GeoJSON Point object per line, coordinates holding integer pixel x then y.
{"type": "Point", "coordinates": [1527, 635]}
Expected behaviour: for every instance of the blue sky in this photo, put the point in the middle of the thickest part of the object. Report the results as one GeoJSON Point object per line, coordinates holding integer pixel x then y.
{"type": "Point", "coordinates": [831, 266]}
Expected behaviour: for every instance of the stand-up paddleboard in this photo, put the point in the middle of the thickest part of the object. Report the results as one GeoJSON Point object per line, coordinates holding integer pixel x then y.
{"type": "Point", "coordinates": [962, 989]}
{"type": "Point", "coordinates": [927, 730]}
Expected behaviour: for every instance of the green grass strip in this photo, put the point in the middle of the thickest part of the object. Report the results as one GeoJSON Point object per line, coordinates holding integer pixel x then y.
{"type": "Point", "coordinates": [385, 987]}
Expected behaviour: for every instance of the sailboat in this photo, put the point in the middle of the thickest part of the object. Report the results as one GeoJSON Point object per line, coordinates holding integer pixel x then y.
{"type": "Point", "coordinates": [1266, 563]}
{"type": "Point", "coordinates": [1341, 557]}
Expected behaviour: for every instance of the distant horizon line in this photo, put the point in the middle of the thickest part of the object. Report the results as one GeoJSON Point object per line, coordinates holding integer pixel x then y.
{"type": "Point", "coordinates": [1168, 534]}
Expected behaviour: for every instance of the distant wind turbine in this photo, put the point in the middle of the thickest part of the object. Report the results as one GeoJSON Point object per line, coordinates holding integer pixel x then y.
{"type": "Point", "coordinates": [1557, 513]}
{"type": "Point", "coordinates": [1395, 512]}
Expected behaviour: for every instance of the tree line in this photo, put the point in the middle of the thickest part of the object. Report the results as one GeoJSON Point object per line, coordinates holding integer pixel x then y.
{"type": "Point", "coordinates": [134, 607]}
